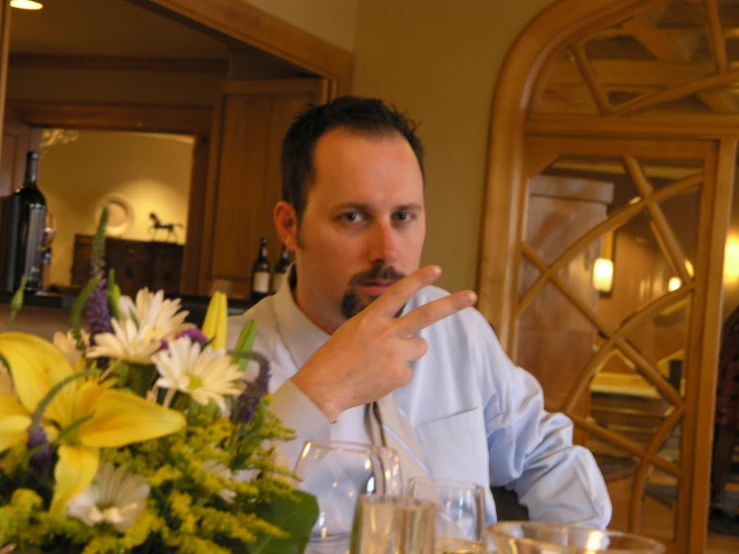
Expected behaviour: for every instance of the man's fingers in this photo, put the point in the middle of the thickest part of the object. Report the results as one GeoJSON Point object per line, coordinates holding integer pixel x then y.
{"type": "Point", "coordinates": [430, 313]}
{"type": "Point", "coordinates": [416, 348]}
{"type": "Point", "coordinates": [394, 298]}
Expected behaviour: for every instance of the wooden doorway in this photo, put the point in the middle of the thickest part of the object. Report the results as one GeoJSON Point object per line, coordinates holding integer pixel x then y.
{"type": "Point", "coordinates": [215, 47]}
{"type": "Point", "coordinates": [640, 95]}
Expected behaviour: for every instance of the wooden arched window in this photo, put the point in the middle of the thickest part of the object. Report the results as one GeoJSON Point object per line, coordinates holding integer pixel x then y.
{"type": "Point", "coordinates": [609, 189]}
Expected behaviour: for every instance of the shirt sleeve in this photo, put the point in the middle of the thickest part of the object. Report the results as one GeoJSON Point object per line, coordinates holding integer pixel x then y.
{"type": "Point", "coordinates": [531, 450]}
{"type": "Point", "coordinates": [299, 413]}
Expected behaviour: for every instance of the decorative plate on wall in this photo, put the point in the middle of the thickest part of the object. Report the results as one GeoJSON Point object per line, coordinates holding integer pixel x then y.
{"type": "Point", "coordinates": [120, 215]}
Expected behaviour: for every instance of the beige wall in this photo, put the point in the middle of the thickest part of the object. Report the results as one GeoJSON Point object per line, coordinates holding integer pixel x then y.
{"type": "Point", "coordinates": [334, 21]}
{"type": "Point", "coordinates": [152, 172]}
{"type": "Point", "coordinates": [439, 61]}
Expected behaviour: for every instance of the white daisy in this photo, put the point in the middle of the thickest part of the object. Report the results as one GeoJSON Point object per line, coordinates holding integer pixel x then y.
{"type": "Point", "coordinates": [66, 344]}
{"type": "Point", "coordinates": [127, 342]}
{"type": "Point", "coordinates": [220, 470]}
{"type": "Point", "coordinates": [202, 373]}
{"type": "Point", "coordinates": [163, 316]}
{"type": "Point", "coordinates": [6, 383]}
{"type": "Point", "coordinates": [116, 496]}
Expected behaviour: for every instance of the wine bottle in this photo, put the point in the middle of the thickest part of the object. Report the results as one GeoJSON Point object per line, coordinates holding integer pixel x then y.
{"type": "Point", "coordinates": [260, 273]}
{"type": "Point", "coordinates": [280, 269]}
{"type": "Point", "coordinates": [31, 224]}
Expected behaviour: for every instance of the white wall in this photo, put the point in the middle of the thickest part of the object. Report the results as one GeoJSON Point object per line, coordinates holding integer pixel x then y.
{"type": "Point", "coordinates": [152, 172]}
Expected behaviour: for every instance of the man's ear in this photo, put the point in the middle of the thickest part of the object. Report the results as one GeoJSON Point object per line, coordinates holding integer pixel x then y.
{"type": "Point", "coordinates": [286, 223]}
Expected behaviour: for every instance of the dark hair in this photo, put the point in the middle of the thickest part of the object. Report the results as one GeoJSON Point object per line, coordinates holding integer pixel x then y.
{"type": "Point", "coordinates": [364, 115]}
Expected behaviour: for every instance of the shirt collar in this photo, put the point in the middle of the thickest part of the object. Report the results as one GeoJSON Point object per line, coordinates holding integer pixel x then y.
{"type": "Point", "coordinates": [300, 335]}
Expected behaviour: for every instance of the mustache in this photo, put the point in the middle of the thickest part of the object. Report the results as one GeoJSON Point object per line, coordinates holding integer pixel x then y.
{"type": "Point", "coordinates": [377, 273]}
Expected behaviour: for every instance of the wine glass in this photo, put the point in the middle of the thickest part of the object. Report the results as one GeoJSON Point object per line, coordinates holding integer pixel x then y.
{"type": "Point", "coordinates": [513, 537]}
{"type": "Point", "coordinates": [393, 525]}
{"type": "Point", "coordinates": [460, 513]}
{"type": "Point", "coordinates": [337, 473]}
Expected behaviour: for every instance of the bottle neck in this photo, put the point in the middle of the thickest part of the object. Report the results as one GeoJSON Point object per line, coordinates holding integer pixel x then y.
{"type": "Point", "coordinates": [31, 173]}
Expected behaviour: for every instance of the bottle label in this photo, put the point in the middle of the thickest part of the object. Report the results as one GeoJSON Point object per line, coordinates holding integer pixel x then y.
{"type": "Point", "coordinates": [260, 282]}
{"type": "Point", "coordinates": [277, 280]}
{"type": "Point", "coordinates": [33, 236]}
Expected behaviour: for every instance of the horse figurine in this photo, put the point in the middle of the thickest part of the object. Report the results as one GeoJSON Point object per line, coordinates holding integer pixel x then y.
{"type": "Point", "coordinates": [156, 225]}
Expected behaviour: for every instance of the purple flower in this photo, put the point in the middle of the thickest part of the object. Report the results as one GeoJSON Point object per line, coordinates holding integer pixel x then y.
{"type": "Point", "coordinates": [97, 310]}
{"type": "Point", "coordinates": [248, 401]}
{"type": "Point", "coordinates": [195, 334]}
{"type": "Point", "coordinates": [41, 459]}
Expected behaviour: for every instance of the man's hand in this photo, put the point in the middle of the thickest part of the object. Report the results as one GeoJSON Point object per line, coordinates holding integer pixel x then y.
{"type": "Point", "coordinates": [367, 357]}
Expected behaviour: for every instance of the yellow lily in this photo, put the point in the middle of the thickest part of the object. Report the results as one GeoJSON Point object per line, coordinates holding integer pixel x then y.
{"type": "Point", "coordinates": [215, 325]}
{"type": "Point", "coordinates": [114, 417]}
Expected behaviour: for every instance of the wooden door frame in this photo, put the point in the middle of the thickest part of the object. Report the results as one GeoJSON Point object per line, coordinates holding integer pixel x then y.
{"type": "Point", "coordinates": [201, 280]}
{"type": "Point", "coordinates": [247, 24]}
{"type": "Point", "coordinates": [231, 18]}
{"type": "Point", "coordinates": [187, 120]}
{"type": "Point", "coordinates": [505, 199]}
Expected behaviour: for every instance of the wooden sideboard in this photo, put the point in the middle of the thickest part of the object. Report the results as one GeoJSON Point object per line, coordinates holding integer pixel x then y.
{"type": "Point", "coordinates": [137, 264]}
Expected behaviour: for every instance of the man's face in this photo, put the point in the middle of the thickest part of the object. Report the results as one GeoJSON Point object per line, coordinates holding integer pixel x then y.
{"type": "Point", "coordinates": [363, 226]}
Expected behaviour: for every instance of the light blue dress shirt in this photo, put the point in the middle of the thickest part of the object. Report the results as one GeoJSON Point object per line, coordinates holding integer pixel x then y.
{"type": "Point", "coordinates": [476, 416]}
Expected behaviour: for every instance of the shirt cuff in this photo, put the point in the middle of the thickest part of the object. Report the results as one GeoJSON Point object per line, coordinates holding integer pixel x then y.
{"type": "Point", "coordinates": [299, 413]}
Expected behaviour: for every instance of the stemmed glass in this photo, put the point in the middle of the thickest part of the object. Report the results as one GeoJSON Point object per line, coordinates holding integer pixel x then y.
{"type": "Point", "coordinates": [513, 537]}
{"type": "Point", "coordinates": [393, 525]}
{"type": "Point", "coordinates": [460, 513]}
{"type": "Point", "coordinates": [337, 473]}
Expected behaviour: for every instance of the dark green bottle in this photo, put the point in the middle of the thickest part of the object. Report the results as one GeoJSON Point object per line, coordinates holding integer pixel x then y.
{"type": "Point", "coordinates": [31, 206]}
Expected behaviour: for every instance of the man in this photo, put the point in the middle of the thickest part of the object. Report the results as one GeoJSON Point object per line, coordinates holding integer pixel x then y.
{"type": "Point", "coordinates": [364, 349]}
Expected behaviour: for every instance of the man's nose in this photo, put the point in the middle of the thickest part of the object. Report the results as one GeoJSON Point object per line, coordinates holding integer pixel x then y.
{"type": "Point", "coordinates": [383, 248]}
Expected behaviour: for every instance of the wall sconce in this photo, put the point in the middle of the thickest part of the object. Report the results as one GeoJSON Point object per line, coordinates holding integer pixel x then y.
{"type": "Point", "coordinates": [603, 267]}
{"type": "Point", "coordinates": [603, 275]}
{"type": "Point", "coordinates": [731, 260]}
{"type": "Point", "coordinates": [674, 283]}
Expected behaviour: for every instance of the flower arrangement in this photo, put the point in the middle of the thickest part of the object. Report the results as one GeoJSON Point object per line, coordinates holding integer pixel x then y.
{"type": "Point", "coordinates": [142, 436]}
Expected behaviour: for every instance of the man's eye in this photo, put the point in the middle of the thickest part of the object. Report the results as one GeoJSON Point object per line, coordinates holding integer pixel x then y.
{"type": "Point", "coordinates": [404, 216]}
{"type": "Point", "coordinates": [351, 217]}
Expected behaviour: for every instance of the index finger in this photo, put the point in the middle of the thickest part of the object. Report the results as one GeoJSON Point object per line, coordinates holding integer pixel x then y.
{"type": "Point", "coordinates": [428, 314]}
{"type": "Point", "coordinates": [393, 299]}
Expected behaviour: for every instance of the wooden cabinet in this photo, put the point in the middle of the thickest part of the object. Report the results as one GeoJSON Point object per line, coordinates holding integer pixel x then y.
{"type": "Point", "coordinates": [137, 264]}
{"type": "Point", "coordinates": [244, 182]}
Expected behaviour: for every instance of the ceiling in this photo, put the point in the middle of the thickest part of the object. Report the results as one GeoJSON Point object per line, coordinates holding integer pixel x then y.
{"type": "Point", "coordinates": [107, 27]}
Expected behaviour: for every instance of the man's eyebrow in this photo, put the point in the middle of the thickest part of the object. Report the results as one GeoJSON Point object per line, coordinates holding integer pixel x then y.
{"type": "Point", "coordinates": [361, 207]}
{"type": "Point", "coordinates": [351, 206]}
{"type": "Point", "coordinates": [412, 207]}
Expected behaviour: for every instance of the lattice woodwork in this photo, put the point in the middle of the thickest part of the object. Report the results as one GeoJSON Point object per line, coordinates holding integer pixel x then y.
{"type": "Point", "coordinates": [644, 94]}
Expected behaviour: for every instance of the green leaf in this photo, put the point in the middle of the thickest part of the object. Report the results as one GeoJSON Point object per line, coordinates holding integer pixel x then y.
{"type": "Point", "coordinates": [79, 305]}
{"type": "Point", "coordinates": [248, 356]}
{"type": "Point", "coordinates": [246, 341]}
{"type": "Point", "coordinates": [17, 302]}
{"type": "Point", "coordinates": [296, 515]}
{"type": "Point", "coordinates": [114, 295]}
